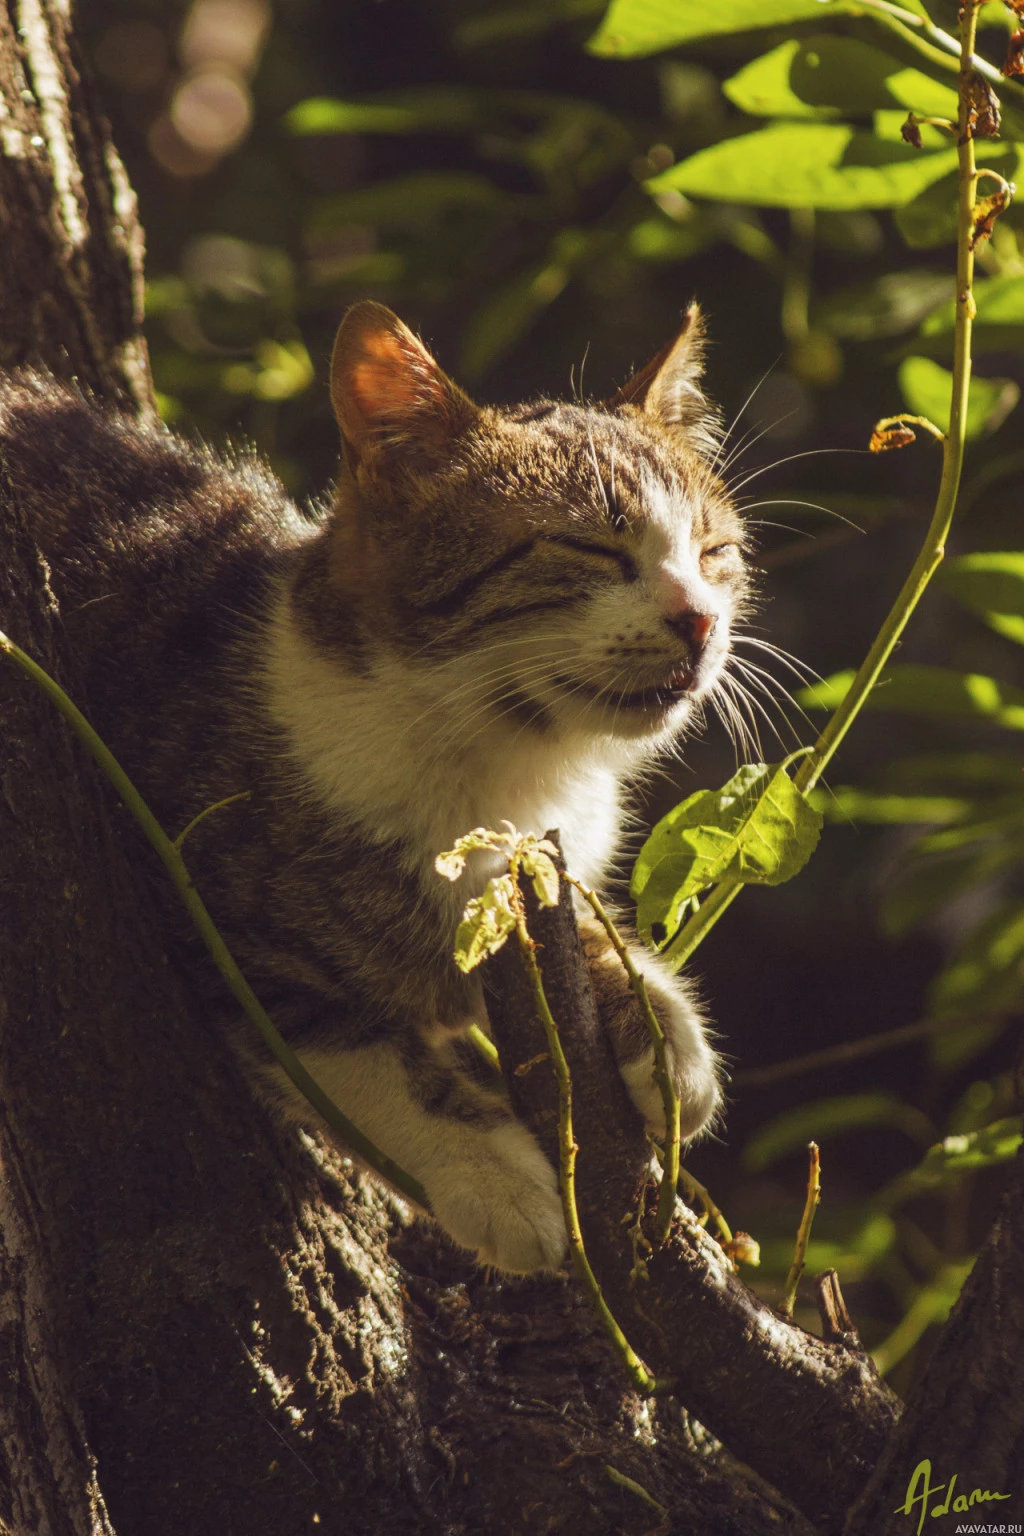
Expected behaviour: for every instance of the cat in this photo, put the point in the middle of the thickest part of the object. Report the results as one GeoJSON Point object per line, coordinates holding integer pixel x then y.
{"type": "Point", "coordinates": [505, 613]}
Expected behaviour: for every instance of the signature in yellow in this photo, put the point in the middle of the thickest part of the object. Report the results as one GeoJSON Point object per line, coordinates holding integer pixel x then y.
{"type": "Point", "coordinates": [921, 1490]}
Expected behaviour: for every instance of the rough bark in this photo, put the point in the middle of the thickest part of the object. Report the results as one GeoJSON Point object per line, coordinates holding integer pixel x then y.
{"type": "Point", "coordinates": [70, 240]}
{"type": "Point", "coordinates": [811, 1416]}
{"type": "Point", "coordinates": [966, 1412]}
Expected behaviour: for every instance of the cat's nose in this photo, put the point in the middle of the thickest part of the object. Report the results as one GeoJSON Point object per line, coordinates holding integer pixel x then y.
{"type": "Point", "coordinates": [695, 628]}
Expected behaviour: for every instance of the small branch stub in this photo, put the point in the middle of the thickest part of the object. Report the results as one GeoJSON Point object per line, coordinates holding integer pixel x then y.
{"type": "Point", "coordinates": [837, 1326]}
{"type": "Point", "coordinates": [796, 1269]}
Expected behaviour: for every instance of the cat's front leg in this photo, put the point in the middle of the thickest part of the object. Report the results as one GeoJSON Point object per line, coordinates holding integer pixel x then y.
{"type": "Point", "coordinates": [487, 1181]}
{"type": "Point", "coordinates": [694, 1066]}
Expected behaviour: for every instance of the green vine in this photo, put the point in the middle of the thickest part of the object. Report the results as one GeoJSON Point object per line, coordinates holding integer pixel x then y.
{"type": "Point", "coordinates": [169, 853]}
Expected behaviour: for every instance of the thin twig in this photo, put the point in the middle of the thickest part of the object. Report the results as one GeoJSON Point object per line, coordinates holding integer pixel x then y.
{"type": "Point", "coordinates": [170, 856]}
{"type": "Point", "coordinates": [243, 794]}
{"type": "Point", "coordinates": [622, 1481]}
{"type": "Point", "coordinates": [796, 1269]}
{"type": "Point", "coordinates": [839, 1055]}
{"type": "Point", "coordinates": [638, 1372]}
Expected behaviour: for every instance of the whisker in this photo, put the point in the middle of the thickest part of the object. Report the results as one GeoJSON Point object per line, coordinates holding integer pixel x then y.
{"type": "Point", "coordinates": [736, 419]}
{"type": "Point", "coordinates": [813, 506]}
{"type": "Point", "coordinates": [800, 669]}
{"type": "Point", "coordinates": [808, 453]}
{"type": "Point", "coordinates": [745, 702]}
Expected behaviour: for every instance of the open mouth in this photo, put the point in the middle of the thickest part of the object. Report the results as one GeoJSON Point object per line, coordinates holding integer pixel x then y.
{"type": "Point", "coordinates": [654, 699]}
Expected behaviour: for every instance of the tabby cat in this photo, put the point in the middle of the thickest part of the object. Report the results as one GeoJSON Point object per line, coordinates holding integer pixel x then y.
{"type": "Point", "coordinates": [504, 614]}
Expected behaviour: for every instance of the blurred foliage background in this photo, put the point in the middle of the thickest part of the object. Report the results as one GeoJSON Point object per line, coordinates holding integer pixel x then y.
{"type": "Point", "coordinates": [541, 192]}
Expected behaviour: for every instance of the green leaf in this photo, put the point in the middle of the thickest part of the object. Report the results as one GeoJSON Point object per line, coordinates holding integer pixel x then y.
{"type": "Point", "coordinates": [543, 875]}
{"type": "Point", "coordinates": [831, 1117]}
{"type": "Point", "coordinates": [928, 391]}
{"type": "Point", "coordinates": [986, 972]}
{"type": "Point", "coordinates": [830, 76]}
{"type": "Point", "coordinates": [854, 1254]}
{"type": "Point", "coordinates": [890, 304]}
{"type": "Point", "coordinates": [1001, 818]}
{"type": "Point", "coordinates": [762, 88]}
{"type": "Point", "coordinates": [486, 924]}
{"type": "Point", "coordinates": [948, 1159]}
{"type": "Point", "coordinates": [847, 803]}
{"type": "Point", "coordinates": [758, 828]}
{"type": "Point", "coordinates": [921, 690]}
{"type": "Point", "coordinates": [954, 1048]}
{"type": "Point", "coordinates": [489, 27]}
{"type": "Point", "coordinates": [807, 165]}
{"type": "Point", "coordinates": [991, 584]}
{"type": "Point", "coordinates": [434, 110]}
{"type": "Point", "coordinates": [408, 201]}
{"type": "Point", "coordinates": [927, 884]}
{"type": "Point", "coordinates": [964, 773]}
{"type": "Point", "coordinates": [633, 28]}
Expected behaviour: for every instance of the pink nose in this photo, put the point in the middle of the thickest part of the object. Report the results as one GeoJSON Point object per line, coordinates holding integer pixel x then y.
{"type": "Point", "coordinates": [692, 627]}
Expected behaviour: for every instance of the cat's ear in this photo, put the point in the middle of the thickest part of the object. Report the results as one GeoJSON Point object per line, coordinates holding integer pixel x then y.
{"type": "Point", "coordinates": [668, 387]}
{"type": "Point", "coordinates": [388, 393]}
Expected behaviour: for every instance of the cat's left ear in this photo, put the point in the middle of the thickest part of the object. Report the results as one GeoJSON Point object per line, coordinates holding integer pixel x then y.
{"type": "Point", "coordinates": [389, 395]}
{"type": "Point", "coordinates": [668, 387]}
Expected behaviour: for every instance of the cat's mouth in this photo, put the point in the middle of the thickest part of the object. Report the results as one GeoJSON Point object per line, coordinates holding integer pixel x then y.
{"type": "Point", "coordinates": [656, 698]}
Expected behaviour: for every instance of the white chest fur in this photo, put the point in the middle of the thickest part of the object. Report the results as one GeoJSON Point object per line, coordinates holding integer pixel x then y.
{"type": "Point", "coordinates": [404, 753]}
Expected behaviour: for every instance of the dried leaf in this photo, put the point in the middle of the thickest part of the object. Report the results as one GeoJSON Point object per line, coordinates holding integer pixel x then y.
{"type": "Point", "coordinates": [450, 864]}
{"type": "Point", "coordinates": [891, 437]}
{"type": "Point", "coordinates": [743, 1249]}
{"type": "Point", "coordinates": [983, 117]}
{"type": "Point", "coordinates": [911, 132]}
{"type": "Point", "coordinates": [1014, 64]}
{"type": "Point", "coordinates": [486, 924]}
{"type": "Point", "coordinates": [986, 211]}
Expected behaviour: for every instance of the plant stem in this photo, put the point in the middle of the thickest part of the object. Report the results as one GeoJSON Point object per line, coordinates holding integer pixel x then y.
{"type": "Point", "coordinates": [662, 1076]}
{"type": "Point", "coordinates": [170, 856]}
{"type": "Point", "coordinates": [933, 549]}
{"type": "Point", "coordinates": [567, 1148]}
{"type": "Point", "coordinates": [796, 1269]}
{"type": "Point", "coordinates": [695, 1190]}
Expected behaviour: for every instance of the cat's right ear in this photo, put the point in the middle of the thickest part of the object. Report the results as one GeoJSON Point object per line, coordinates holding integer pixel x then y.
{"type": "Point", "coordinates": [389, 395]}
{"type": "Point", "coordinates": [668, 388]}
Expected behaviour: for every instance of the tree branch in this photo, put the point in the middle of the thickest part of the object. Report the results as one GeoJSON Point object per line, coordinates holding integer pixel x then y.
{"type": "Point", "coordinates": [809, 1416]}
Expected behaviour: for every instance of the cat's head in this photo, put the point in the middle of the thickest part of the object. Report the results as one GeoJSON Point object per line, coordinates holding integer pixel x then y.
{"type": "Point", "coordinates": [586, 561]}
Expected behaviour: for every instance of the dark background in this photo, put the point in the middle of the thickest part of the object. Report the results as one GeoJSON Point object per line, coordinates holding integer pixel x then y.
{"type": "Point", "coordinates": [526, 251]}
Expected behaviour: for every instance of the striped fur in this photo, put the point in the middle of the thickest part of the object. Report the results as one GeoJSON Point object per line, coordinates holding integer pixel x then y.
{"type": "Point", "coordinates": [505, 614]}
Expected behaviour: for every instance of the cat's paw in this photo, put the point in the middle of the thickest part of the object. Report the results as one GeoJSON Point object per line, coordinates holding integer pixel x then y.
{"type": "Point", "coordinates": [693, 1065]}
{"type": "Point", "coordinates": [498, 1195]}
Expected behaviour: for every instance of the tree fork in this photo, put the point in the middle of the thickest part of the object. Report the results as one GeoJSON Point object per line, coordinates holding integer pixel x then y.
{"type": "Point", "coordinates": [809, 1416]}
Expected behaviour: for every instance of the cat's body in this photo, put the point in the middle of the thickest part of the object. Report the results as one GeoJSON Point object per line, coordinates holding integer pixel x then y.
{"type": "Point", "coordinates": [505, 615]}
